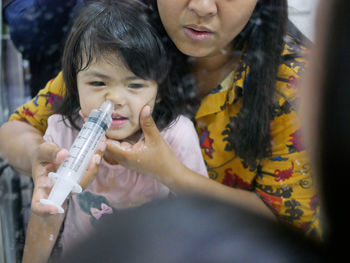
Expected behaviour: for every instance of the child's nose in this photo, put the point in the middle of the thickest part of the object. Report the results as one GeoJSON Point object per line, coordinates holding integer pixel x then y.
{"type": "Point", "coordinates": [117, 96]}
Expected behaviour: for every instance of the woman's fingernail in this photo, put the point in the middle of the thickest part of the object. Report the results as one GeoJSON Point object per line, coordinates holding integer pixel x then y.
{"type": "Point", "coordinates": [147, 111]}
{"type": "Point", "coordinates": [61, 155]}
{"type": "Point", "coordinates": [113, 143]}
{"type": "Point", "coordinates": [102, 147]}
{"type": "Point", "coordinates": [97, 159]}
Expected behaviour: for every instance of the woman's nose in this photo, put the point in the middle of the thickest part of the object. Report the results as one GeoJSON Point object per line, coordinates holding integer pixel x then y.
{"type": "Point", "coordinates": [203, 8]}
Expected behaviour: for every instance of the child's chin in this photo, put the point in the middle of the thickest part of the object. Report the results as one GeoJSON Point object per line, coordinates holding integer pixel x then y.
{"type": "Point", "coordinates": [115, 136]}
{"type": "Point", "coordinates": [131, 138]}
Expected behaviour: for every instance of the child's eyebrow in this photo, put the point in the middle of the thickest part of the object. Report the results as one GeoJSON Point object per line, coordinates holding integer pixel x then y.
{"type": "Point", "coordinates": [93, 73]}
{"type": "Point", "coordinates": [133, 78]}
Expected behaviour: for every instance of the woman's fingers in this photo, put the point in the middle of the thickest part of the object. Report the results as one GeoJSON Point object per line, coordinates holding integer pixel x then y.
{"type": "Point", "coordinates": [148, 126]}
{"type": "Point", "coordinates": [42, 188]}
{"type": "Point", "coordinates": [49, 152]}
{"type": "Point", "coordinates": [83, 115]}
{"type": "Point", "coordinates": [124, 151]}
{"type": "Point", "coordinates": [91, 171]}
{"type": "Point", "coordinates": [94, 165]}
{"type": "Point", "coordinates": [47, 159]}
{"type": "Point", "coordinates": [141, 156]}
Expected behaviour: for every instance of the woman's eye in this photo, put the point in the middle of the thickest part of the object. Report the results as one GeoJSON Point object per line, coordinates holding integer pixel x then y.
{"type": "Point", "coordinates": [97, 83]}
{"type": "Point", "coordinates": [136, 85]}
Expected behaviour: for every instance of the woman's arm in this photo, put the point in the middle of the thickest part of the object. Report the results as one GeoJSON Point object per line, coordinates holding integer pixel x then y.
{"type": "Point", "coordinates": [155, 157]}
{"type": "Point", "coordinates": [18, 143]}
{"type": "Point", "coordinates": [21, 136]}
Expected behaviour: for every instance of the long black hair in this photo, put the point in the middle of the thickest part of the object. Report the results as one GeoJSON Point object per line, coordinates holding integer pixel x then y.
{"type": "Point", "coordinates": [125, 28]}
{"type": "Point", "coordinates": [263, 39]}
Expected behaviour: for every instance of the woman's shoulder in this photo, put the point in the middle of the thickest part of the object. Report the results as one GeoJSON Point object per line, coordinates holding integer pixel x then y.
{"type": "Point", "coordinates": [294, 57]}
{"type": "Point", "coordinates": [291, 71]}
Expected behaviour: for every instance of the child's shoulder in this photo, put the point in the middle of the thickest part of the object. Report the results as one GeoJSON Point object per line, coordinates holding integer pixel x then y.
{"type": "Point", "coordinates": [59, 131]}
{"type": "Point", "coordinates": [181, 129]}
{"type": "Point", "coordinates": [179, 123]}
{"type": "Point", "coordinates": [55, 118]}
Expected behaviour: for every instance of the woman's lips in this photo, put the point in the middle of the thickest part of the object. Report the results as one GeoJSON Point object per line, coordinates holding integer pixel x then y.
{"type": "Point", "coordinates": [197, 33]}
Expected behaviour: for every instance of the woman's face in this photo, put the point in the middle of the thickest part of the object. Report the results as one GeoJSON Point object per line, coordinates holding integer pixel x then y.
{"type": "Point", "coordinates": [203, 28]}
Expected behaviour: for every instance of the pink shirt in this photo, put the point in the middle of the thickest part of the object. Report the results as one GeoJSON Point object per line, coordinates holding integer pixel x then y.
{"type": "Point", "coordinates": [116, 187]}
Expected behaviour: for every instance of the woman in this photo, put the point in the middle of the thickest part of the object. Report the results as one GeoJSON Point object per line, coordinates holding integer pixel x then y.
{"type": "Point", "coordinates": [245, 67]}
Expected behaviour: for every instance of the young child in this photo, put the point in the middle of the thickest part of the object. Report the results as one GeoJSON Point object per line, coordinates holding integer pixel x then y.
{"type": "Point", "coordinates": [114, 53]}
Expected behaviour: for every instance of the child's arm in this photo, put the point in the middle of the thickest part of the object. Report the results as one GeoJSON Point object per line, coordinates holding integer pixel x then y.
{"type": "Point", "coordinates": [41, 236]}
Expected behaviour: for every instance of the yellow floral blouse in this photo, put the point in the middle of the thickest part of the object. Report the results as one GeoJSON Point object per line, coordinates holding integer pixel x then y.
{"type": "Point", "coordinates": [282, 181]}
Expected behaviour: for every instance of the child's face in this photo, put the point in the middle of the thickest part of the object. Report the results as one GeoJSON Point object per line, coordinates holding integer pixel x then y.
{"type": "Point", "coordinates": [204, 28]}
{"type": "Point", "coordinates": [102, 81]}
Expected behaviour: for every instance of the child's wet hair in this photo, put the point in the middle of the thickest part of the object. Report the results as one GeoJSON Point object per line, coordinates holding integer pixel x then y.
{"type": "Point", "coordinates": [124, 30]}
{"type": "Point", "coordinates": [121, 28]}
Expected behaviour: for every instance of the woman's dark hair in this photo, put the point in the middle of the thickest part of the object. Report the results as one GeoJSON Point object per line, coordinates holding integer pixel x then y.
{"type": "Point", "coordinates": [333, 144]}
{"type": "Point", "coordinates": [125, 28]}
{"type": "Point", "coordinates": [262, 40]}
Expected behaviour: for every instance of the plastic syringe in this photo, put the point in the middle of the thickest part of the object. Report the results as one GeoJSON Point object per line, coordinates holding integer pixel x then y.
{"type": "Point", "coordinates": [69, 173]}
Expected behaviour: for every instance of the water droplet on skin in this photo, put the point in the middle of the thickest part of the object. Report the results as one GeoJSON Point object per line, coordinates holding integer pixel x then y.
{"type": "Point", "coordinates": [51, 237]}
{"type": "Point", "coordinates": [223, 51]}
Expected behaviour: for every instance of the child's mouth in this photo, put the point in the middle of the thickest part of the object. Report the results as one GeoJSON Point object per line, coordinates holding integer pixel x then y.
{"type": "Point", "coordinates": [118, 120]}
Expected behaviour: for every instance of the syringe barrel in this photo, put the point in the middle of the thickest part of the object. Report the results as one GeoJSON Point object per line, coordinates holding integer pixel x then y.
{"type": "Point", "coordinates": [86, 143]}
{"type": "Point", "coordinates": [80, 153]}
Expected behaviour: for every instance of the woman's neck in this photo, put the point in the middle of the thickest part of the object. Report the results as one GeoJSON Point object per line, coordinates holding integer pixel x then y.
{"type": "Point", "coordinates": [211, 71]}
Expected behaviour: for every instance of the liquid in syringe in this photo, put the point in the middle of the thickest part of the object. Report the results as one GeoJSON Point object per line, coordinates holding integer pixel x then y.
{"type": "Point", "coordinates": [68, 175]}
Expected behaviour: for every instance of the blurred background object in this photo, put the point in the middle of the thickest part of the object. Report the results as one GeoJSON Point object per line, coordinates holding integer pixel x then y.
{"type": "Point", "coordinates": [38, 29]}
{"type": "Point", "coordinates": [302, 14]}
{"type": "Point", "coordinates": [193, 229]}
{"type": "Point", "coordinates": [15, 189]}
{"type": "Point", "coordinates": [14, 89]}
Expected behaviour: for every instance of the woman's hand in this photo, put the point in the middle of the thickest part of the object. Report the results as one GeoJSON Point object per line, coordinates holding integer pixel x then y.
{"type": "Point", "coordinates": [151, 155]}
{"type": "Point", "coordinates": [47, 159]}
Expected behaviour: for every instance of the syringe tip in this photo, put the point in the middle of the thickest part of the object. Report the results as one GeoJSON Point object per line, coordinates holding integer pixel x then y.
{"type": "Point", "coordinates": [107, 106]}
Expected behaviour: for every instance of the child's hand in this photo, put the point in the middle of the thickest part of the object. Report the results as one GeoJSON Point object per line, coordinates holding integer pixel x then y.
{"type": "Point", "coordinates": [47, 159]}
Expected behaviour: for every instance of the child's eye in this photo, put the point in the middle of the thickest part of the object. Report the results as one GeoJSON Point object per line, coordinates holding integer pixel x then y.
{"type": "Point", "coordinates": [136, 85]}
{"type": "Point", "coordinates": [97, 83]}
